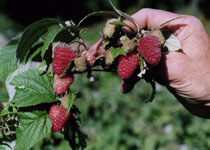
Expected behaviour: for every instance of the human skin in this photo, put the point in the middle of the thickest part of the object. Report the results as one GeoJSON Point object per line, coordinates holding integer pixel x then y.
{"type": "Point", "coordinates": [185, 73]}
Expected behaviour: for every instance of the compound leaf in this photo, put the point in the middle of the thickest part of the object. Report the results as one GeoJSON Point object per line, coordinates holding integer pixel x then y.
{"type": "Point", "coordinates": [32, 88]}
{"type": "Point", "coordinates": [31, 34]}
{"type": "Point", "coordinates": [33, 127]}
{"type": "Point", "coordinates": [8, 61]}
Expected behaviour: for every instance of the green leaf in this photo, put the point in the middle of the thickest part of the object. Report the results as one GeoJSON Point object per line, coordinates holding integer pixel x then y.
{"type": "Point", "coordinates": [141, 63]}
{"type": "Point", "coordinates": [2, 147]}
{"type": "Point", "coordinates": [33, 127]}
{"type": "Point", "coordinates": [42, 64]}
{"type": "Point", "coordinates": [31, 34]}
{"type": "Point", "coordinates": [123, 24]}
{"type": "Point", "coordinates": [99, 13]}
{"type": "Point", "coordinates": [8, 110]}
{"type": "Point", "coordinates": [4, 97]}
{"type": "Point", "coordinates": [8, 61]}
{"type": "Point", "coordinates": [72, 132]}
{"type": "Point", "coordinates": [68, 34]}
{"type": "Point", "coordinates": [126, 16]}
{"type": "Point", "coordinates": [65, 72]}
{"type": "Point", "coordinates": [32, 88]}
{"type": "Point", "coordinates": [152, 96]}
{"type": "Point", "coordinates": [1, 136]}
{"type": "Point", "coordinates": [105, 44]}
{"type": "Point", "coordinates": [117, 51]}
{"type": "Point", "coordinates": [5, 111]}
{"type": "Point", "coordinates": [49, 39]}
{"type": "Point", "coordinates": [71, 99]}
{"type": "Point", "coordinates": [35, 50]}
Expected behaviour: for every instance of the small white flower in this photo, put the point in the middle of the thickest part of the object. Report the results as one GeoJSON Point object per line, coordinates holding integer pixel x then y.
{"type": "Point", "coordinates": [92, 79]}
{"type": "Point", "coordinates": [143, 71]}
{"type": "Point", "coordinates": [123, 38]}
{"type": "Point", "coordinates": [145, 32]}
{"type": "Point", "coordinates": [72, 33]}
{"type": "Point", "coordinates": [60, 25]}
{"type": "Point", "coordinates": [68, 23]}
{"type": "Point", "coordinates": [168, 128]}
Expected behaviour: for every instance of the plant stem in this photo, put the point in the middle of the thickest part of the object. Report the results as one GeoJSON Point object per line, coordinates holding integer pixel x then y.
{"type": "Point", "coordinates": [95, 70]}
{"type": "Point", "coordinates": [161, 25]}
{"type": "Point", "coordinates": [80, 43]}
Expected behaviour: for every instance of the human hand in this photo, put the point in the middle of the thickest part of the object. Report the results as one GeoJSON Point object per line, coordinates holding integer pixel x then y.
{"type": "Point", "coordinates": [186, 74]}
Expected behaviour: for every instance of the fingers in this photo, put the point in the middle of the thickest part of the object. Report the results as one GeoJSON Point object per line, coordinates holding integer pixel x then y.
{"type": "Point", "coordinates": [172, 68]}
{"type": "Point", "coordinates": [150, 18]}
{"type": "Point", "coordinates": [95, 47]}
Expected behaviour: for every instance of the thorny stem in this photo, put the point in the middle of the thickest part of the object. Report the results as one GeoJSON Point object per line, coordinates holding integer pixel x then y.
{"type": "Point", "coordinates": [161, 25]}
{"type": "Point", "coordinates": [83, 43]}
{"type": "Point", "coordinates": [80, 43]}
{"type": "Point", "coordinates": [125, 16]}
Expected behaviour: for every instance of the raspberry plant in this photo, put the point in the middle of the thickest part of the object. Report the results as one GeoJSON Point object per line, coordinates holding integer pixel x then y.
{"type": "Point", "coordinates": [42, 63]}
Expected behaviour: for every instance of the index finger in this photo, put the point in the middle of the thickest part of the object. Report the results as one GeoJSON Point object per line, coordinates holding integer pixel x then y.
{"type": "Point", "coordinates": [151, 18]}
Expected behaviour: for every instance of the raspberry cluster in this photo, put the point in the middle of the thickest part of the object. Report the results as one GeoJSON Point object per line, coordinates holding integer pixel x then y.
{"type": "Point", "coordinates": [117, 51]}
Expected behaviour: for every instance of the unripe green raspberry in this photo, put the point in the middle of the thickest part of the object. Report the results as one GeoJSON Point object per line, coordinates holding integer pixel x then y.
{"type": "Point", "coordinates": [80, 63]}
{"type": "Point", "coordinates": [129, 45]}
{"type": "Point", "coordinates": [158, 34]}
{"type": "Point", "coordinates": [110, 29]}
{"type": "Point", "coordinates": [64, 101]}
{"type": "Point", "coordinates": [109, 58]}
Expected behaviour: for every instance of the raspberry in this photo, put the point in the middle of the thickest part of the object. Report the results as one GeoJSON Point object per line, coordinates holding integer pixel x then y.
{"type": "Point", "coordinates": [109, 59]}
{"type": "Point", "coordinates": [128, 45]}
{"type": "Point", "coordinates": [149, 48]}
{"type": "Point", "coordinates": [63, 55]}
{"type": "Point", "coordinates": [58, 117]}
{"type": "Point", "coordinates": [158, 34]}
{"type": "Point", "coordinates": [62, 84]}
{"type": "Point", "coordinates": [64, 101]}
{"type": "Point", "coordinates": [110, 29]}
{"type": "Point", "coordinates": [80, 63]}
{"type": "Point", "coordinates": [127, 65]}
{"type": "Point", "coordinates": [91, 59]}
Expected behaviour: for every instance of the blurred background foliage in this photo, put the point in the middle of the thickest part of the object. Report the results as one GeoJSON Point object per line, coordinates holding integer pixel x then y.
{"type": "Point", "coordinates": [112, 120]}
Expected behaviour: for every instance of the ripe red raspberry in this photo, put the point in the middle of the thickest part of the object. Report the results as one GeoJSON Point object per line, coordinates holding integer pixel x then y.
{"type": "Point", "coordinates": [89, 55]}
{"type": "Point", "coordinates": [149, 48]}
{"type": "Point", "coordinates": [127, 65]}
{"type": "Point", "coordinates": [58, 117]}
{"type": "Point", "coordinates": [62, 57]}
{"type": "Point", "coordinates": [62, 84]}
